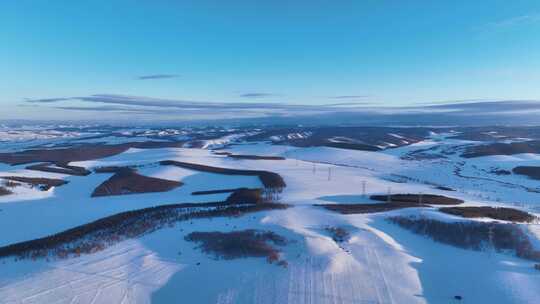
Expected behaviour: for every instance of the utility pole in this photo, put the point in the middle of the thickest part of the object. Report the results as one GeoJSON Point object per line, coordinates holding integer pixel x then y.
{"type": "Point", "coordinates": [389, 196]}
{"type": "Point", "coordinates": [364, 188]}
{"type": "Point", "coordinates": [329, 173]}
{"type": "Point", "coordinates": [420, 200]}
{"type": "Point", "coordinates": [490, 235]}
{"type": "Point", "coordinates": [314, 169]}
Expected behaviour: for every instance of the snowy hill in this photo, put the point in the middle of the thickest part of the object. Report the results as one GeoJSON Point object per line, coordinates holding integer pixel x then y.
{"type": "Point", "coordinates": [270, 244]}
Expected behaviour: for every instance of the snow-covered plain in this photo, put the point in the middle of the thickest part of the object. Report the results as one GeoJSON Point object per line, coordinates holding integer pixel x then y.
{"type": "Point", "coordinates": [380, 263]}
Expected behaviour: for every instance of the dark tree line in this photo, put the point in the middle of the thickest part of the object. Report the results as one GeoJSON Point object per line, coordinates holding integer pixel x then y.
{"type": "Point", "coordinates": [430, 199]}
{"type": "Point", "coordinates": [498, 213]}
{"type": "Point", "coordinates": [60, 167]}
{"type": "Point", "coordinates": [268, 179]}
{"type": "Point", "coordinates": [472, 235]}
{"type": "Point", "coordinates": [104, 232]}
{"type": "Point", "coordinates": [368, 208]}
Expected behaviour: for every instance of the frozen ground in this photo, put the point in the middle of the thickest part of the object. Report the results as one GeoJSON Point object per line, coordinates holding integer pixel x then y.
{"type": "Point", "coordinates": [380, 263]}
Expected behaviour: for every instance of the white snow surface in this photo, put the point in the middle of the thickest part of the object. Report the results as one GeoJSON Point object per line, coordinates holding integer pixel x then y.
{"type": "Point", "coordinates": [380, 263]}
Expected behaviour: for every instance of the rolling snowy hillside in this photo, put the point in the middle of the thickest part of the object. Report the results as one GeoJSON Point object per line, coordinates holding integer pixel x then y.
{"type": "Point", "coordinates": [295, 248]}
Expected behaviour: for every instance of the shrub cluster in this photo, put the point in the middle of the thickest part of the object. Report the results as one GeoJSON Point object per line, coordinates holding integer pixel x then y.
{"type": "Point", "coordinates": [11, 184]}
{"type": "Point", "coordinates": [4, 191]}
{"type": "Point", "coordinates": [240, 244]}
{"type": "Point", "coordinates": [338, 234]}
{"type": "Point", "coordinates": [245, 196]}
{"type": "Point", "coordinates": [44, 184]}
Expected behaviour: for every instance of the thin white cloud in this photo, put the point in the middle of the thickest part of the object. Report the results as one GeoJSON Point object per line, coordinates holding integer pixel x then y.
{"type": "Point", "coordinates": [515, 21]}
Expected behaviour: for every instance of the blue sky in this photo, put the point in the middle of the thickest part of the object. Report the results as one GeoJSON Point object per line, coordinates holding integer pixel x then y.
{"type": "Point", "coordinates": [385, 53]}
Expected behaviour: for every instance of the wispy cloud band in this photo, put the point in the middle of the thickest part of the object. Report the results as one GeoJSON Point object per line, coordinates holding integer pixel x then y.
{"type": "Point", "coordinates": [257, 95]}
{"type": "Point", "coordinates": [157, 76]}
{"type": "Point", "coordinates": [349, 96]}
{"type": "Point", "coordinates": [156, 109]}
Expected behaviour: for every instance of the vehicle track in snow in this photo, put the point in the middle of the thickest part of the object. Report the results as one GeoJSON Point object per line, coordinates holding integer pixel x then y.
{"type": "Point", "coordinates": [116, 277]}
